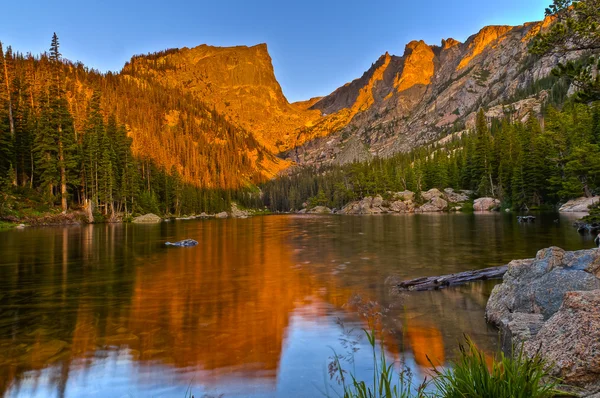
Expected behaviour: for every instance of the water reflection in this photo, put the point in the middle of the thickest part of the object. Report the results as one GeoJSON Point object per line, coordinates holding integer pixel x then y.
{"type": "Point", "coordinates": [252, 310]}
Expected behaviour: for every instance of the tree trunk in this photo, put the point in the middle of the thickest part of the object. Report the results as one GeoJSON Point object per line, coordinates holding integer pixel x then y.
{"type": "Point", "coordinates": [63, 177]}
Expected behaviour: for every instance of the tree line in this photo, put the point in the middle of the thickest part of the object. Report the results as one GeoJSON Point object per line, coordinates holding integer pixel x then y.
{"type": "Point", "coordinates": [539, 162]}
{"type": "Point", "coordinates": [73, 137]}
{"type": "Point", "coordinates": [524, 164]}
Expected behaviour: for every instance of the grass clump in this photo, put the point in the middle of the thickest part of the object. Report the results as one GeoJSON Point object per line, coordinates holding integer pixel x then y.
{"type": "Point", "coordinates": [6, 225]}
{"type": "Point", "coordinates": [472, 375]}
{"type": "Point", "coordinates": [503, 377]}
{"type": "Point", "coordinates": [386, 383]}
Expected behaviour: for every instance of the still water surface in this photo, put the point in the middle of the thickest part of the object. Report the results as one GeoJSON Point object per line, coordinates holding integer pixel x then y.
{"type": "Point", "coordinates": [254, 310]}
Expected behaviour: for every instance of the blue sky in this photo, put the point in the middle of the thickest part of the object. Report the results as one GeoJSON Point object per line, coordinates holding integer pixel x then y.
{"type": "Point", "coordinates": [316, 45]}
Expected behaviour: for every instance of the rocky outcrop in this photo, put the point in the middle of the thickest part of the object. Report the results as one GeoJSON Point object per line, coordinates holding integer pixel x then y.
{"type": "Point", "coordinates": [222, 214]}
{"type": "Point", "coordinates": [404, 202]}
{"type": "Point", "coordinates": [406, 101]}
{"type": "Point", "coordinates": [486, 204]}
{"type": "Point", "coordinates": [551, 304]}
{"type": "Point", "coordinates": [579, 205]}
{"type": "Point", "coordinates": [238, 81]}
{"type": "Point", "coordinates": [319, 210]}
{"type": "Point", "coordinates": [370, 205]}
{"type": "Point", "coordinates": [147, 219]}
{"type": "Point", "coordinates": [457, 197]}
{"type": "Point", "coordinates": [236, 212]}
{"type": "Point", "coordinates": [434, 205]}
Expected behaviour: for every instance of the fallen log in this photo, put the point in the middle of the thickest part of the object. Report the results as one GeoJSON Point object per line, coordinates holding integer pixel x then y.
{"type": "Point", "coordinates": [441, 282]}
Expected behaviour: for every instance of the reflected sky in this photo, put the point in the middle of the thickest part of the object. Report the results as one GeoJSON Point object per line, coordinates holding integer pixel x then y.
{"type": "Point", "coordinates": [256, 309]}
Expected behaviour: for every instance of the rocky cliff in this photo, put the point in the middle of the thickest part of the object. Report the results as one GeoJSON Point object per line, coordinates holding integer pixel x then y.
{"type": "Point", "coordinates": [400, 103]}
{"type": "Point", "coordinates": [403, 102]}
{"type": "Point", "coordinates": [238, 81]}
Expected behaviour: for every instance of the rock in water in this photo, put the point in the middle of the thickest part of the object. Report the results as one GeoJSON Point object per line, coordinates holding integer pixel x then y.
{"type": "Point", "coordinates": [597, 240]}
{"type": "Point", "coordinates": [523, 219]}
{"type": "Point", "coordinates": [320, 210]}
{"type": "Point", "coordinates": [552, 302]}
{"type": "Point", "coordinates": [183, 243]}
{"type": "Point", "coordinates": [222, 214]}
{"type": "Point", "coordinates": [147, 219]}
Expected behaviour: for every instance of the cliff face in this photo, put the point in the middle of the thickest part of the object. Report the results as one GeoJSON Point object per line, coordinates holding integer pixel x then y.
{"type": "Point", "coordinates": [238, 81]}
{"type": "Point", "coordinates": [400, 103]}
{"type": "Point", "coordinates": [403, 102]}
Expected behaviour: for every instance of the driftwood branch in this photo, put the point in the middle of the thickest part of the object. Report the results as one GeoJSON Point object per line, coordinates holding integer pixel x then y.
{"type": "Point", "coordinates": [440, 282]}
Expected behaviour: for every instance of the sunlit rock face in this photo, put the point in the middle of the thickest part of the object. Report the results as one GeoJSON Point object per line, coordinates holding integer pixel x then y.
{"type": "Point", "coordinates": [404, 102]}
{"type": "Point", "coordinates": [399, 103]}
{"type": "Point", "coordinates": [238, 81]}
{"type": "Point", "coordinates": [478, 43]}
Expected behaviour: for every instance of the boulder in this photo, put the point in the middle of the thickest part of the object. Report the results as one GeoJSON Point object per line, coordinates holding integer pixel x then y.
{"type": "Point", "coordinates": [486, 204]}
{"type": "Point", "coordinates": [456, 197]}
{"type": "Point", "coordinates": [550, 304]}
{"type": "Point", "coordinates": [400, 206]}
{"type": "Point", "coordinates": [537, 286]}
{"type": "Point", "coordinates": [183, 243]}
{"type": "Point", "coordinates": [222, 214]}
{"type": "Point", "coordinates": [377, 202]}
{"type": "Point", "coordinates": [238, 213]}
{"type": "Point", "coordinates": [147, 219]}
{"type": "Point", "coordinates": [579, 205]}
{"type": "Point", "coordinates": [320, 210]}
{"type": "Point", "coordinates": [367, 205]}
{"type": "Point", "coordinates": [404, 195]}
{"type": "Point", "coordinates": [436, 204]}
{"type": "Point", "coordinates": [570, 340]}
{"type": "Point", "coordinates": [432, 193]}
{"type": "Point", "coordinates": [597, 240]}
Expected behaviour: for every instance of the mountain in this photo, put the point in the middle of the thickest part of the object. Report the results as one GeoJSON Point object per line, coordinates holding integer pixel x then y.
{"type": "Point", "coordinates": [217, 117]}
{"type": "Point", "coordinates": [403, 102]}
{"type": "Point", "coordinates": [239, 82]}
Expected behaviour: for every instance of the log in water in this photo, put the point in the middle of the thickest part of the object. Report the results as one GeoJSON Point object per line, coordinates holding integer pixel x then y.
{"type": "Point", "coordinates": [441, 282]}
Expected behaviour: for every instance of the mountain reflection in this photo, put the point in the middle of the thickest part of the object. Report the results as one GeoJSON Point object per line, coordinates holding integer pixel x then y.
{"type": "Point", "coordinates": [70, 297]}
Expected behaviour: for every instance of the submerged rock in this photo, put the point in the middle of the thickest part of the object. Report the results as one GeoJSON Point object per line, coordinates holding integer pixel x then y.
{"type": "Point", "coordinates": [579, 205]}
{"type": "Point", "coordinates": [147, 219]}
{"type": "Point", "coordinates": [523, 219]}
{"type": "Point", "coordinates": [552, 304]}
{"type": "Point", "coordinates": [486, 204]}
{"type": "Point", "coordinates": [183, 243]}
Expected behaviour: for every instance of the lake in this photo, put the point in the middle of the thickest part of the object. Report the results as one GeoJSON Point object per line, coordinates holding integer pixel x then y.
{"type": "Point", "coordinates": [256, 309]}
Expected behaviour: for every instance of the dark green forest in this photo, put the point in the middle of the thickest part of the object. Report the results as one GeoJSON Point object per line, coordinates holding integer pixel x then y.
{"type": "Point", "coordinates": [62, 145]}
{"type": "Point", "coordinates": [74, 139]}
{"type": "Point", "coordinates": [525, 165]}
